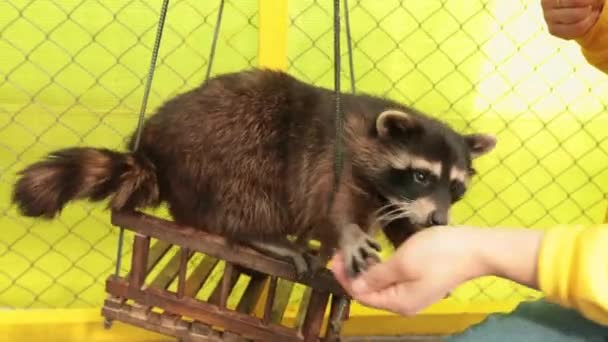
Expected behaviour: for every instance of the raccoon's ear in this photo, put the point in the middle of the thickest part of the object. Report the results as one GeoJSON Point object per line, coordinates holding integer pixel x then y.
{"type": "Point", "coordinates": [480, 144]}
{"type": "Point", "coordinates": [395, 122]}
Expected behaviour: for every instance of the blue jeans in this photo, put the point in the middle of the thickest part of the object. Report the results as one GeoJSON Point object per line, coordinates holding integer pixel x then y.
{"type": "Point", "coordinates": [538, 321]}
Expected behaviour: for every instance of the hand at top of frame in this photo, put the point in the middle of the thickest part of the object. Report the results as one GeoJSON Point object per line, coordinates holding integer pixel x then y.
{"type": "Point", "coordinates": [571, 19]}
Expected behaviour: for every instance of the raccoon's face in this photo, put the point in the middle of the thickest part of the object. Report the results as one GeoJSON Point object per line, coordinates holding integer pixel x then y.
{"type": "Point", "coordinates": [418, 167]}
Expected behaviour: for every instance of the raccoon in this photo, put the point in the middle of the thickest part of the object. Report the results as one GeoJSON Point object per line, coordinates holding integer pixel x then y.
{"type": "Point", "coordinates": [249, 155]}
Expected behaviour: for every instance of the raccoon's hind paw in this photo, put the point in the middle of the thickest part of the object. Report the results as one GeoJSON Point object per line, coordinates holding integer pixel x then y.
{"type": "Point", "coordinates": [307, 265]}
{"type": "Point", "coordinates": [301, 265]}
{"type": "Point", "coordinates": [360, 252]}
{"type": "Point", "coordinates": [284, 249]}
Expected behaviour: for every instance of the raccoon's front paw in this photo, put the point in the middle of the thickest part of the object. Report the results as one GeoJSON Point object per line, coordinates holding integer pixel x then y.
{"type": "Point", "coordinates": [360, 251]}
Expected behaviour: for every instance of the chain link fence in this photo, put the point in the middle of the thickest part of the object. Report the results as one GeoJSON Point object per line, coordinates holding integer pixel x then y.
{"type": "Point", "coordinates": [72, 73]}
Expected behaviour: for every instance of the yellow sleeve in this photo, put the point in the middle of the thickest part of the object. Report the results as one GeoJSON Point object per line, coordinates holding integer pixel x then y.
{"type": "Point", "coordinates": [594, 44]}
{"type": "Point", "coordinates": [573, 269]}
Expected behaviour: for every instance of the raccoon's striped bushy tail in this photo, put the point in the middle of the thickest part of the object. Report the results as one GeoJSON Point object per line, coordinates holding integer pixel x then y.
{"type": "Point", "coordinates": [45, 187]}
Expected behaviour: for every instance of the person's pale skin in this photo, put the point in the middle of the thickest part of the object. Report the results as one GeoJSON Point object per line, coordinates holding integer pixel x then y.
{"type": "Point", "coordinates": [570, 19]}
{"type": "Point", "coordinates": [434, 261]}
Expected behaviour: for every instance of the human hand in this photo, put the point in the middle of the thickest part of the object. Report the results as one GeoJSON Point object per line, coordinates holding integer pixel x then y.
{"type": "Point", "coordinates": [434, 261]}
{"type": "Point", "coordinates": [422, 271]}
{"type": "Point", "coordinates": [571, 19]}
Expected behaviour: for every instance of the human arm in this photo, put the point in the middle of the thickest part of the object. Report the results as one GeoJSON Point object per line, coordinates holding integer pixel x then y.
{"type": "Point", "coordinates": [584, 21]}
{"type": "Point", "coordinates": [435, 261]}
{"type": "Point", "coordinates": [573, 269]}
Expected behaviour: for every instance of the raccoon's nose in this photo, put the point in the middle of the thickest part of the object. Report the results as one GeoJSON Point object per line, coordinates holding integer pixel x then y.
{"type": "Point", "coordinates": [438, 219]}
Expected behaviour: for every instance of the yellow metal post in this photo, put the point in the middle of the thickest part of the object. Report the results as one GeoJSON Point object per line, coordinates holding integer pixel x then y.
{"type": "Point", "coordinates": [272, 35]}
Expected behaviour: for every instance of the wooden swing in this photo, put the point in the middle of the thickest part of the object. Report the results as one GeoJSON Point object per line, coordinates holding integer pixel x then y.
{"type": "Point", "coordinates": [179, 313]}
{"type": "Point", "coordinates": [144, 300]}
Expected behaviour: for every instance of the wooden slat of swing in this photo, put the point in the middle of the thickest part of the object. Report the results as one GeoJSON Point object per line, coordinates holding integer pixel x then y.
{"type": "Point", "coordinates": [198, 277]}
{"type": "Point", "coordinates": [184, 257]}
{"type": "Point", "coordinates": [337, 313]}
{"type": "Point", "coordinates": [236, 324]}
{"type": "Point", "coordinates": [139, 260]}
{"type": "Point", "coordinates": [314, 315]}
{"type": "Point", "coordinates": [217, 246]}
{"type": "Point", "coordinates": [161, 323]}
{"type": "Point", "coordinates": [176, 265]}
{"type": "Point", "coordinates": [272, 289]}
{"type": "Point", "coordinates": [223, 288]}
{"type": "Point", "coordinates": [169, 273]}
{"type": "Point", "coordinates": [231, 337]}
{"type": "Point", "coordinates": [157, 252]}
{"type": "Point", "coordinates": [284, 288]}
{"type": "Point", "coordinates": [172, 321]}
{"type": "Point", "coordinates": [203, 330]}
{"type": "Point", "coordinates": [252, 294]}
{"type": "Point", "coordinates": [203, 312]}
{"type": "Point", "coordinates": [303, 308]}
{"type": "Point", "coordinates": [143, 254]}
{"type": "Point", "coordinates": [229, 279]}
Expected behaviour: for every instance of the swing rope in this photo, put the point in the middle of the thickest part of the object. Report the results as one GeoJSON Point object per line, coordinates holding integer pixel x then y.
{"type": "Point", "coordinates": [339, 120]}
{"type": "Point", "coordinates": [339, 146]}
{"type": "Point", "coordinates": [148, 86]}
{"type": "Point", "coordinates": [216, 33]}
{"type": "Point", "coordinates": [339, 116]}
{"type": "Point", "coordinates": [142, 111]}
{"type": "Point", "coordinates": [350, 47]}
{"type": "Point", "coordinates": [144, 102]}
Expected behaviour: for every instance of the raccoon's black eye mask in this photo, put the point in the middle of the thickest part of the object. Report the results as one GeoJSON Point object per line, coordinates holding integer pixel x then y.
{"type": "Point", "coordinates": [412, 183]}
{"type": "Point", "coordinates": [409, 183]}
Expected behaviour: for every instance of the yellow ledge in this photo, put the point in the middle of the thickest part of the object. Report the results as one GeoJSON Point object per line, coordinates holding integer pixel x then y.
{"type": "Point", "coordinates": [72, 325]}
